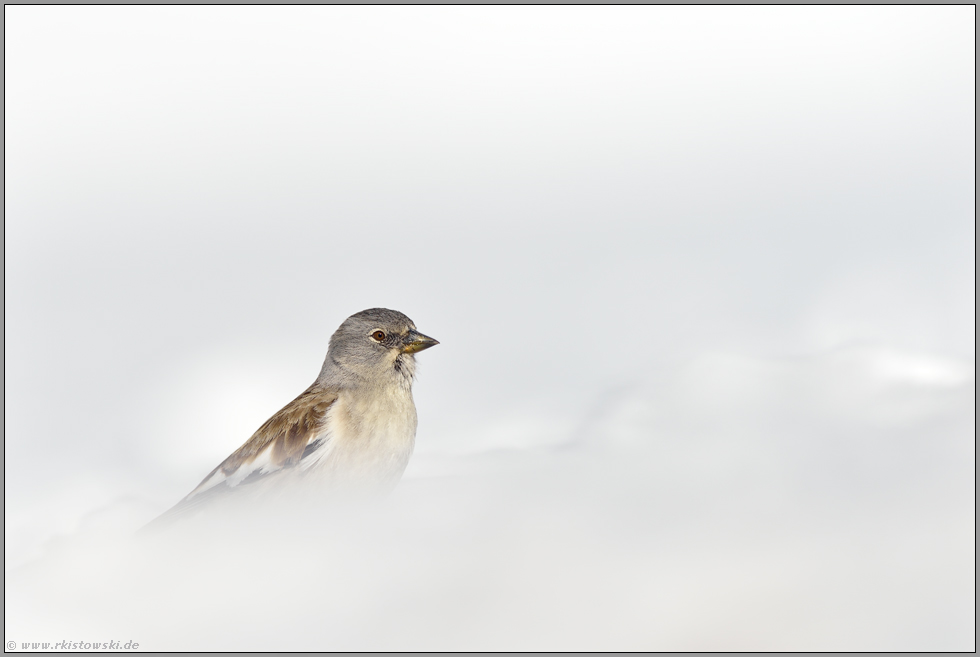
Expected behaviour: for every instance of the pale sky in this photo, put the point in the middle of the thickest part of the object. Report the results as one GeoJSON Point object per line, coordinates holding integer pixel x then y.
{"type": "Point", "coordinates": [725, 245]}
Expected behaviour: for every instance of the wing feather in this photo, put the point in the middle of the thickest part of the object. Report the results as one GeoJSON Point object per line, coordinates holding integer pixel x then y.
{"type": "Point", "coordinates": [280, 443]}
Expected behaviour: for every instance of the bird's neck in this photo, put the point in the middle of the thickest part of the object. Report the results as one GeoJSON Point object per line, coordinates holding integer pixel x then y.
{"type": "Point", "coordinates": [398, 372]}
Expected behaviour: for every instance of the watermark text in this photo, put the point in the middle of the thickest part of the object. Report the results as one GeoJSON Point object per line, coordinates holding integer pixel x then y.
{"type": "Point", "coordinates": [72, 645]}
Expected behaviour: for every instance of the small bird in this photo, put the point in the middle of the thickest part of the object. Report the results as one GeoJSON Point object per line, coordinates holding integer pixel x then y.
{"type": "Point", "coordinates": [353, 429]}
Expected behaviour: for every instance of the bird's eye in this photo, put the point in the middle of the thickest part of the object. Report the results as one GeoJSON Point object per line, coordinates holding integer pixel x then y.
{"type": "Point", "coordinates": [378, 335]}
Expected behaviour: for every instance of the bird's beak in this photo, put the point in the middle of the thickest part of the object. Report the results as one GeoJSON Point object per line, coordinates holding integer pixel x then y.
{"type": "Point", "coordinates": [415, 342]}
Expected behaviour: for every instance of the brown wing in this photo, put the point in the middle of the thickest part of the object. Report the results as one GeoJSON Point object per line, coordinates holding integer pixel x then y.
{"type": "Point", "coordinates": [278, 444]}
{"type": "Point", "coordinates": [286, 434]}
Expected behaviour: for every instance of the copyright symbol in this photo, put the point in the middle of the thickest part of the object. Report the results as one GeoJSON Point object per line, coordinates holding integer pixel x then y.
{"type": "Point", "coordinates": [11, 645]}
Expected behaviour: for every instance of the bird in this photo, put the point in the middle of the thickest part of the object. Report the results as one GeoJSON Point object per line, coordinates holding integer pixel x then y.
{"type": "Point", "coordinates": [353, 429]}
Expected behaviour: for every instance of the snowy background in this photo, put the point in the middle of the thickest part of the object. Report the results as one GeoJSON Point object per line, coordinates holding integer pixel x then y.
{"type": "Point", "coordinates": [704, 282]}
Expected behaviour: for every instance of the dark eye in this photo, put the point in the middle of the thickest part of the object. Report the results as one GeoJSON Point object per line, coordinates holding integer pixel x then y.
{"type": "Point", "coordinates": [379, 336]}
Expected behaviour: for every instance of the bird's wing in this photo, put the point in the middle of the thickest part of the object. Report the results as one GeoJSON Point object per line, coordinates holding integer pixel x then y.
{"type": "Point", "coordinates": [281, 443]}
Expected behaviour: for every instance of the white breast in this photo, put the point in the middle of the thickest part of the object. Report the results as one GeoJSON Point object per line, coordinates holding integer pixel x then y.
{"type": "Point", "coordinates": [366, 439]}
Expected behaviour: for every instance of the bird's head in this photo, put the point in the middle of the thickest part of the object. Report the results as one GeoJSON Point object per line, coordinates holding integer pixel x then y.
{"type": "Point", "coordinates": [375, 344]}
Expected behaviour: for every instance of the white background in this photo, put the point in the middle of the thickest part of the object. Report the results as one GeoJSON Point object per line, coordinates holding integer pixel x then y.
{"type": "Point", "coordinates": [694, 271]}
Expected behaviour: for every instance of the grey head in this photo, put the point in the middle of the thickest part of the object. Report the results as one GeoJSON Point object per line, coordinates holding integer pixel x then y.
{"type": "Point", "coordinates": [374, 347]}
